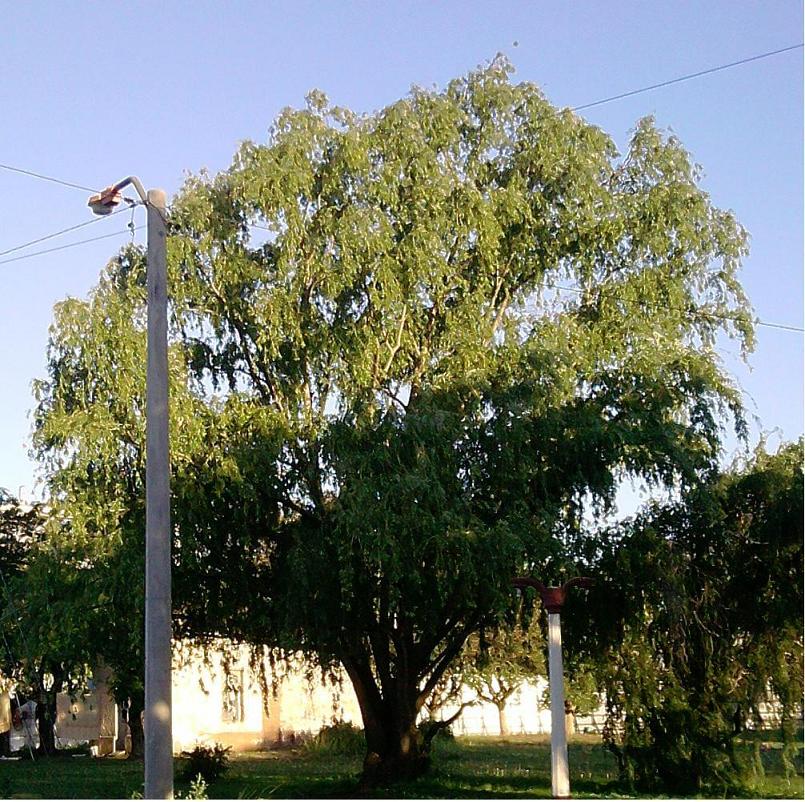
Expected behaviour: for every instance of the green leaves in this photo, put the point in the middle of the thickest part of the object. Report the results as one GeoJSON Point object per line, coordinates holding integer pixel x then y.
{"type": "Point", "coordinates": [405, 346]}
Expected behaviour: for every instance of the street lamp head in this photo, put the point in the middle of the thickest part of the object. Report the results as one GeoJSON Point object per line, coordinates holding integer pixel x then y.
{"type": "Point", "coordinates": [105, 202]}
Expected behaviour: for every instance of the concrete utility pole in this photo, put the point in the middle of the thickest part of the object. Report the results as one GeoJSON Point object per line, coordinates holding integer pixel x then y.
{"type": "Point", "coordinates": [553, 598]}
{"type": "Point", "coordinates": [158, 723]}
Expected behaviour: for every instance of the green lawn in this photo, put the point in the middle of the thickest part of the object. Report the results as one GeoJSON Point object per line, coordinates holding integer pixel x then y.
{"type": "Point", "coordinates": [513, 768]}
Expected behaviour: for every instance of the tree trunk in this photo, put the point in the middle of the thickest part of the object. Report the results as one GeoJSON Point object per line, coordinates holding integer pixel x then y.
{"type": "Point", "coordinates": [45, 724]}
{"type": "Point", "coordinates": [502, 718]}
{"type": "Point", "coordinates": [395, 749]}
{"type": "Point", "coordinates": [136, 707]}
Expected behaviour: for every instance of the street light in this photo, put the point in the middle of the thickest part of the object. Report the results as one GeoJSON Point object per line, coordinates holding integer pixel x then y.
{"type": "Point", "coordinates": [553, 598]}
{"type": "Point", "coordinates": [157, 724]}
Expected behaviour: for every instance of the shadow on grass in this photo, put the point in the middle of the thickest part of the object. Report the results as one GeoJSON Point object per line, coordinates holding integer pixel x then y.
{"type": "Point", "coordinates": [518, 768]}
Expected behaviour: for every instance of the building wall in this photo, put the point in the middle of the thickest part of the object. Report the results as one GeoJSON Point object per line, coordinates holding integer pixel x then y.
{"type": "Point", "coordinates": [308, 704]}
{"type": "Point", "coordinates": [89, 717]}
{"type": "Point", "coordinates": [211, 704]}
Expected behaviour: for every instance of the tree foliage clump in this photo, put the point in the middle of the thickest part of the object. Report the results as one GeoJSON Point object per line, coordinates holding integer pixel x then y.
{"type": "Point", "coordinates": [406, 346]}
{"type": "Point", "coordinates": [696, 625]}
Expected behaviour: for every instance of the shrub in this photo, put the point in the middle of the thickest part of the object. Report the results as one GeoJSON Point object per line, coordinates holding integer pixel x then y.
{"type": "Point", "coordinates": [208, 761]}
{"type": "Point", "coordinates": [340, 738]}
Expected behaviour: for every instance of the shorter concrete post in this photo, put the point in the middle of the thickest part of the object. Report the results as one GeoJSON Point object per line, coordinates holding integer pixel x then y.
{"type": "Point", "coordinates": [553, 598]}
{"type": "Point", "coordinates": [560, 776]}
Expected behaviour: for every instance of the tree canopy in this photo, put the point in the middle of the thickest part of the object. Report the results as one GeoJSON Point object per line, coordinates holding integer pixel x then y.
{"type": "Point", "coordinates": [407, 346]}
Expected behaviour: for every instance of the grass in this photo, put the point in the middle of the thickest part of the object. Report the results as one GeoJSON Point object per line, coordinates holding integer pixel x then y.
{"type": "Point", "coordinates": [477, 768]}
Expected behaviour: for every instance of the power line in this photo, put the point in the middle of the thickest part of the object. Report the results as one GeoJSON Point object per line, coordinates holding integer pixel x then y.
{"type": "Point", "coordinates": [59, 233]}
{"type": "Point", "coordinates": [600, 102]}
{"type": "Point", "coordinates": [71, 245]}
{"type": "Point", "coordinates": [756, 321]}
{"type": "Point", "coordinates": [47, 178]}
{"type": "Point", "coordinates": [687, 77]}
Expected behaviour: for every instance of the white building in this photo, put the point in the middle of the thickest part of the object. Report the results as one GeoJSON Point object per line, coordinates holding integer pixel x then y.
{"type": "Point", "coordinates": [211, 704]}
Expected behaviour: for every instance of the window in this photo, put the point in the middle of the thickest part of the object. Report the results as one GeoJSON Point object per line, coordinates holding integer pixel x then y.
{"type": "Point", "coordinates": [232, 708]}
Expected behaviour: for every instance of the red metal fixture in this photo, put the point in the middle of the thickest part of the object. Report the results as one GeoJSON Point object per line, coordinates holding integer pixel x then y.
{"type": "Point", "coordinates": [553, 598]}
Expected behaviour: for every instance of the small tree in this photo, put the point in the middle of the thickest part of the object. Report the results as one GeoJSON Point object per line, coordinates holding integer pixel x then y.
{"type": "Point", "coordinates": [582, 694]}
{"type": "Point", "coordinates": [449, 692]}
{"type": "Point", "coordinates": [697, 620]}
{"type": "Point", "coordinates": [44, 635]}
{"type": "Point", "coordinates": [497, 662]}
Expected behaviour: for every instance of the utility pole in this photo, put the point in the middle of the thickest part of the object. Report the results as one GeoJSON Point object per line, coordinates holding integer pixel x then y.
{"type": "Point", "coordinates": [158, 717]}
{"type": "Point", "coordinates": [158, 723]}
{"type": "Point", "coordinates": [553, 598]}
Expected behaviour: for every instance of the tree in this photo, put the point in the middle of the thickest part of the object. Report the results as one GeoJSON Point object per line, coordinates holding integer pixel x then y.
{"type": "Point", "coordinates": [467, 315]}
{"type": "Point", "coordinates": [582, 692]}
{"type": "Point", "coordinates": [448, 692]}
{"type": "Point", "coordinates": [20, 528]}
{"type": "Point", "coordinates": [497, 663]}
{"type": "Point", "coordinates": [696, 620]}
{"type": "Point", "coordinates": [44, 651]}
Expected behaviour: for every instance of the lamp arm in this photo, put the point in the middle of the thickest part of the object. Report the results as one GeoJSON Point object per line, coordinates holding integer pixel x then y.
{"type": "Point", "coordinates": [133, 181]}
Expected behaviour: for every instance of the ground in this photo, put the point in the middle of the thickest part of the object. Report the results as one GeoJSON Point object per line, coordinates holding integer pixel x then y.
{"type": "Point", "coordinates": [469, 767]}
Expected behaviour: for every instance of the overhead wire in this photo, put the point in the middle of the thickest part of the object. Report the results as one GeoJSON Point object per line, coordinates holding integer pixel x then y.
{"type": "Point", "coordinates": [783, 326]}
{"type": "Point", "coordinates": [126, 230]}
{"type": "Point", "coordinates": [47, 178]}
{"type": "Point", "coordinates": [756, 321]}
{"type": "Point", "coordinates": [602, 101]}
{"type": "Point", "coordinates": [59, 233]}
{"type": "Point", "coordinates": [688, 77]}
{"type": "Point", "coordinates": [609, 99]}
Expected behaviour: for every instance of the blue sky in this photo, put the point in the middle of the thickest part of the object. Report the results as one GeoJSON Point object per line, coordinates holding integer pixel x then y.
{"type": "Point", "coordinates": [91, 92]}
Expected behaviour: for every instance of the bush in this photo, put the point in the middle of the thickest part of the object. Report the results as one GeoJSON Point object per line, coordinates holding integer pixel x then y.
{"type": "Point", "coordinates": [341, 738]}
{"type": "Point", "coordinates": [208, 761]}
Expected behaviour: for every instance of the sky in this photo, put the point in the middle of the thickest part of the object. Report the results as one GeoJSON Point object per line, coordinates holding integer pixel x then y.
{"type": "Point", "coordinates": [91, 92]}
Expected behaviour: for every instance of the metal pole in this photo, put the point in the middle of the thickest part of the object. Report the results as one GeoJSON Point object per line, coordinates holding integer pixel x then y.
{"type": "Point", "coordinates": [157, 725]}
{"type": "Point", "coordinates": [560, 778]}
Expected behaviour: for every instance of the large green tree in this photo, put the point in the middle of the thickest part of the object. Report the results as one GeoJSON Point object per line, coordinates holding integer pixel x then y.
{"type": "Point", "coordinates": [695, 623]}
{"type": "Point", "coordinates": [412, 344]}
